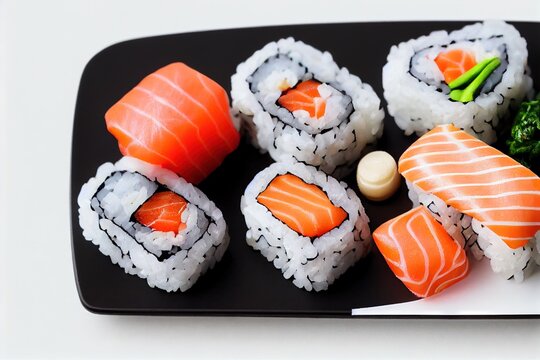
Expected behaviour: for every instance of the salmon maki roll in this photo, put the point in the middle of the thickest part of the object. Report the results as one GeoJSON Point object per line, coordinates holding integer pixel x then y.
{"type": "Point", "coordinates": [176, 118]}
{"type": "Point", "coordinates": [421, 253]}
{"type": "Point", "coordinates": [488, 202]}
{"type": "Point", "coordinates": [471, 78]}
{"type": "Point", "coordinates": [307, 223]}
{"type": "Point", "coordinates": [152, 223]}
{"type": "Point", "coordinates": [298, 105]}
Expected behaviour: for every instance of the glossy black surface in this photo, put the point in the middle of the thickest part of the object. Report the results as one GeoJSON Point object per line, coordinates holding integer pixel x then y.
{"type": "Point", "coordinates": [243, 283]}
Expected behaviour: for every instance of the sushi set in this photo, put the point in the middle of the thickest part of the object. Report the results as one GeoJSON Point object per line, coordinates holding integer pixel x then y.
{"type": "Point", "coordinates": [283, 171]}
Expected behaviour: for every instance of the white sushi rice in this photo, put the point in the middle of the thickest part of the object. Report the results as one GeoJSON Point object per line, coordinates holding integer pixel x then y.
{"type": "Point", "coordinates": [167, 261]}
{"type": "Point", "coordinates": [536, 248]}
{"type": "Point", "coordinates": [352, 119]}
{"type": "Point", "coordinates": [313, 264]}
{"type": "Point", "coordinates": [477, 239]}
{"type": "Point", "coordinates": [418, 98]}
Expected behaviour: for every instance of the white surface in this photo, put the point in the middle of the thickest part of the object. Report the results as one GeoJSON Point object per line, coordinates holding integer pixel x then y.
{"type": "Point", "coordinates": [480, 293]}
{"type": "Point", "coordinates": [44, 46]}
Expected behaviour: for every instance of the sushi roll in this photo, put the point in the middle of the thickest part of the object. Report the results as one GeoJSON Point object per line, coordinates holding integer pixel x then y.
{"type": "Point", "coordinates": [487, 201]}
{"type": "Point", "coordinates": [152, 223]}
{"type": "Point", "coordinates": [308, 224]}
{"type": "Point", "coordinates": [176, 118]}
{"type": "Point", "coordinates": [469, 78]}
{"type": "Point", "coordinates": [421, 253]}
{"type": "Point", "coordinates": [298, 105]}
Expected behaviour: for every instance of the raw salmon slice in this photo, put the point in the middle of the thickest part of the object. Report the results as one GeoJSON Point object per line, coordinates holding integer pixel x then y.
{"type": "Point", "coordinates": [478, 180]}
{"type": "Point", "coordinates": [163, 212]}
{"type": "Point", "coordinates": [303, 207]}
{"type": "Point", "coordinates": [304, 96]}
{"type": "Point", "coordinates": [454, 63]}
{"type": "Point", "coordinates": [177, 118]}
{"type": "Point", "coordinates": [421, 253]}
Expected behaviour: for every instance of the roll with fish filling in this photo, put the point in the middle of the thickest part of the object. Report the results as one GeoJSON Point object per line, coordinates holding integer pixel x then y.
{"type": "Point", "coordinates": [469, 77]}
{"type": "Point", "coordinates": [308, 224]}
{"type": "Point", "coordinates": [152, 223]}
{"type": "Point", "coordinates": [487, 201]}
{"type": "Point", "coordinates": [298, 105]}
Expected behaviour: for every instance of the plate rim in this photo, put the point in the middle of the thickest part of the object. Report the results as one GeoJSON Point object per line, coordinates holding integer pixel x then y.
{"type": "Point", "coordinates": [336, 314]}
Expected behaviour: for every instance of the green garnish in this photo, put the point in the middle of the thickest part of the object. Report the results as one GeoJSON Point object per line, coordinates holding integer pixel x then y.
{"type": "Point", "coordinates": [474, 77]}
{"type": "Point", "coordinates": [470, 74]}
{"type": "Point", "coordinates": [524, 142]}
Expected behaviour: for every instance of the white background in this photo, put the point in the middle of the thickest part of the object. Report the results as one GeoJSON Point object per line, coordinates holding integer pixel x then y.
{"type": "Point", "coordinates": [44, 46]}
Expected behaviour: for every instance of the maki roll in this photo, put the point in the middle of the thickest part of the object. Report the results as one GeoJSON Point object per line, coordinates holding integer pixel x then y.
{"type": "Point", "coordinates": [308, 224]}
{"type": "Point", "coordinates": [487, 201]}
{"type": "Point", "coordinates": [297, 104]}
{"type": "Point", "coordinates": [152, 223]}
{"type": "Point", "coordinates": [469, 77]}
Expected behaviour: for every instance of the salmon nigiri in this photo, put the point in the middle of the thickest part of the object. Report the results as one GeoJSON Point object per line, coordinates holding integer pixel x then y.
{"type": "Point", "coordinates": [177, 118]}
{"type": "Point", "coordinates": [421, 253]}
{"type": "Point", "coordinates": [305, 208]}
{"type": "Point", "coordinates": [477, 180]}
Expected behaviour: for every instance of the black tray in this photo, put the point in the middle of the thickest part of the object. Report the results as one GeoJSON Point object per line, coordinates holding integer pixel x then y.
{"type": "Point", "coordinates": [243, 283]}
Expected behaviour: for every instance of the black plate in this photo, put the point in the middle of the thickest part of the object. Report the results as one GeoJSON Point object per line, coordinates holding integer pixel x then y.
{"type": "Point", "coordinates": [243, 283]}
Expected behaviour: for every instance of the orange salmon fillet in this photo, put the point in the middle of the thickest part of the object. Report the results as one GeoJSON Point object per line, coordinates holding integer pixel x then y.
{"type": "Point", "coordinates": [421, 253]}
{"type": "Point", "coordinates": [177, 118]}
{"type": "Point", "coordinates": [305, 208]}
{"type": "Point", "coordinates": [478, 180]}
{"type": "Point", "coordinates": [163, 212]}
{"type": "Point", "coordinates": [304, 96]}
{"type": "Point", "coordinates": [454, 63]}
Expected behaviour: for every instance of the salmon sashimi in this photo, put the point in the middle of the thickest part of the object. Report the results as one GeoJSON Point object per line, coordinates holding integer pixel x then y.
{"type": "Point", "coordinates": [177, 118]}
{"type": "Point", "coordinates": [421, 253]}
{"type": "Point", "coordinates": [454, 63]}
{"type": "Point", "coordinates": [304, 96]}
{"type": "Point", "coordinates": [478, 180]}
{"type": "Point", "coordinates": [163, 212]}
{"type": "Point", "coordinates": [303, 207]}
